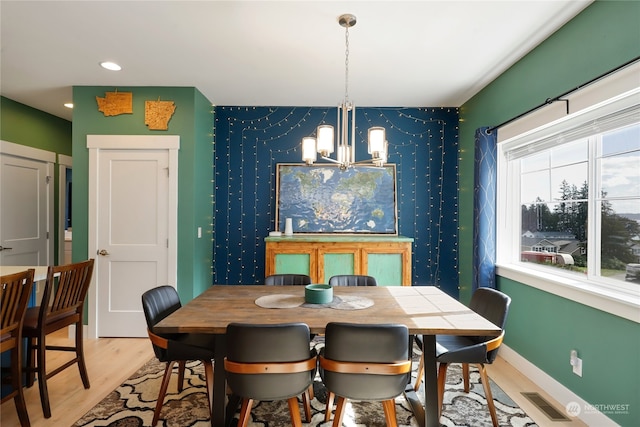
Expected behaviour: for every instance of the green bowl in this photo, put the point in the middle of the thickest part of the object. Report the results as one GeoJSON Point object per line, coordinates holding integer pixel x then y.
{"type": "Point", "coordinates": [318, 294]}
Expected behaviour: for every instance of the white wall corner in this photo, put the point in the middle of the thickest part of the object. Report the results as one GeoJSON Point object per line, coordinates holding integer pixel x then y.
{"type": "Point", "coordinates": [556, 390]}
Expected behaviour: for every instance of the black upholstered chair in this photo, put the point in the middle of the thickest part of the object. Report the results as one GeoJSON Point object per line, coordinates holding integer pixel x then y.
{"type": "Point", "coordinates": [158, 303]}
{"type": "Point", "coordinates": [365, 362]}
{"type": "Point", "coordinates": [15, 290]}
{"type": "Point", "coordinates": [287, 279]}
{"type": "Point", "coordinates": [352, 280]}
{"type": "Point", "coordinates": [270, 362]}
{"type": "Point", "coordinates": [62, 305]}
{"type": "Point", "coordinates": [493, 305]}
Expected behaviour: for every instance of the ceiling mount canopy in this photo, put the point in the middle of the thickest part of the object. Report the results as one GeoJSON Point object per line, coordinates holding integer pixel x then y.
{"type": "Point", "coordinates": [323, 143]}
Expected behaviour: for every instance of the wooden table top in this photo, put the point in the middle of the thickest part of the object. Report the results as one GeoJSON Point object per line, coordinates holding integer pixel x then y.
{"type": "Point", "coordinates": [424, 309]}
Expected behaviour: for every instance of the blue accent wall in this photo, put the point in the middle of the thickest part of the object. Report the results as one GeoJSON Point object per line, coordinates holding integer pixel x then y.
{"type": "Point", "coordinates": [250, 141]}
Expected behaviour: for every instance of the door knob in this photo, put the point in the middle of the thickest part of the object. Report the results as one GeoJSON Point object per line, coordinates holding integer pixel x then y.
{"type": "Point", "coordinates": [4, 248]}
{"type": "Point", "coordinates": [103, 252]}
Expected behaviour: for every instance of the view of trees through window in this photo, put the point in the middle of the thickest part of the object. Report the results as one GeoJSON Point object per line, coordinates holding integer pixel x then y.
{"type": "Point", "coordinates": [559, 229]}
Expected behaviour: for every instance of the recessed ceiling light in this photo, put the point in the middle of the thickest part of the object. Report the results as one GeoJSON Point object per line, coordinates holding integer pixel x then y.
{"type": "Point", "coordinates": [112, 66]}
{"type": "Point", "coordinates": [68, 104]}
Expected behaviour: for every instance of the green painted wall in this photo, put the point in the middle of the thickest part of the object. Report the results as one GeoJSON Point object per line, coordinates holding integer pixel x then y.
{"type": "Point", "coordinates": [24, 125]}
{"type": "Point", "coordinates": [608, 345]}
{"type": "Point", "coordinates": [543, 327]}
{"type": "Point", "coordinates": [202, 196]}
{"type": "Point", "coordinates": [193, 121]}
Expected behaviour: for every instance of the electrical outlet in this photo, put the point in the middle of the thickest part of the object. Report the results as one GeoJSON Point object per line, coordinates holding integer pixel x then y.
{"type": "Point", "coordinates": [575, 362]}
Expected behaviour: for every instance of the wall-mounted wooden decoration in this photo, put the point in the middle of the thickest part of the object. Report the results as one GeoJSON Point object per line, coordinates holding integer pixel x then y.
{"type": "Point", "coordinates": [158, 113]}
{"type": "Point", "coordinates": [115, 103]}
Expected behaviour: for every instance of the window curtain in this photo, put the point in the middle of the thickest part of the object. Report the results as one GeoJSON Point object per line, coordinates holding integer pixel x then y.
{"type": "Point", "coordinates": [484, 209]}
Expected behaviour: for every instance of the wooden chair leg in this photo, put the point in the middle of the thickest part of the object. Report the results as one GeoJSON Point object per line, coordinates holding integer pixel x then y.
{"type": "Point", "coordinates": [80, 355]}
{"type": "Point", "coordinates": [465, 376]}
{"type": "Point", "coordinates": [339, 414]}
{"type": "Point", "coordinates": [442, 380]}
{"type": "Point", "coordinates": [416, 387]}
{"type": "Point", "coordinates": [182, 364]}
{"type": "Point", "coordinates": [487, 392]}
{"type": "Point", "coordinates": [245, 412]}
{"type": "Point", "coordinates": [208, 375]}
{"type": "Point", "coordinates": [16, 383]}
{"type": "Point", "coordinates": [163, 391]}
{"type": "Point", "coordinates": [329, 407]}
{"type": "Point", "coordinates": [311, 392]}
{"type": "Point", "coordinates": [296, 421]}
{"type": "Point", "coordinates": [306, 403]}
{"type": "Point", "coordinates": [41, 352]}
{"type": "Point", "coordinates": [31, 366]}
{"type": "Point", "coordinates": [390, 417]}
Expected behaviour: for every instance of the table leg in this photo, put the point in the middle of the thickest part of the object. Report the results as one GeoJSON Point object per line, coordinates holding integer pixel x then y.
{"type": "Point", "coordinates": [412, 397]}
{"type": "Point", "coordinates": [430, 381]}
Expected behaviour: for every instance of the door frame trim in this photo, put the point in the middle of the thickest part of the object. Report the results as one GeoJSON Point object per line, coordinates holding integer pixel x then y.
{"type": "Point", "coordinates": [64, 163]}
{"type": "Point", "coordinates": [49, 158]}
{"type": "Point", "coordinates": [98, 143]}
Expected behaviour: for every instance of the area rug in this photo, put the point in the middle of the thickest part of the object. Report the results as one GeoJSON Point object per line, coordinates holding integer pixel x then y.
{"type": "Point", "coordinates": [132, 404]}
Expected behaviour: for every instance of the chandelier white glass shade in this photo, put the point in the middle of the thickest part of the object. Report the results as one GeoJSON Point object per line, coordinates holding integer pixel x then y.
{"type": "Point", "coordinates": [324, 142]}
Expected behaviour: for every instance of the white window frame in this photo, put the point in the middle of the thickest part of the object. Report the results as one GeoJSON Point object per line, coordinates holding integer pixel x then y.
{"type": "Point", "coordinates": [612, 296]}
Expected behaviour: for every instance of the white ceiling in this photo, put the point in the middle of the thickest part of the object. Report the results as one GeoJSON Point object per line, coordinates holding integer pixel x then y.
{"type": "Point", "coordinates": [271, 53]}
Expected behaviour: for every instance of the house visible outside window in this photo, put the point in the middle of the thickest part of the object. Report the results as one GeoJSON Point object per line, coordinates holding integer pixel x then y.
{"type": "Point", "coordinates": [559, 200]}
{"type": "Point", "coordinates": [569, 202]}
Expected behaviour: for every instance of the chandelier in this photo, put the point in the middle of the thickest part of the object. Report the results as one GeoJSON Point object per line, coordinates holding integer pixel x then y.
{"type": "Point", "coordinates": [323, 143]}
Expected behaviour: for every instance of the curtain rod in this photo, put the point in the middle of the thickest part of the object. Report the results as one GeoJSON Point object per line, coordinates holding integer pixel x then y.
{"type": "Point", "coordinates": [558, 98]}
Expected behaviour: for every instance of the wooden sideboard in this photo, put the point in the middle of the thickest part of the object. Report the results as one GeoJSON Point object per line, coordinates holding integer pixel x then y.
{"type": "Point", "coordinates": [387, 258]}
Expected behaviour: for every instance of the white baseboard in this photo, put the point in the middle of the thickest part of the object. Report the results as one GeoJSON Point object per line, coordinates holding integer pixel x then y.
{"type": "Point", "coordinates": [557, 391]}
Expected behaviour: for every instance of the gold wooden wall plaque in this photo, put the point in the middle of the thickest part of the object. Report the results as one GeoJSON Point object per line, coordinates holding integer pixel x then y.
{"type": "Point", "coordinates": [158, 113]}
{"type": "Point", "coordinates": [115, 103]}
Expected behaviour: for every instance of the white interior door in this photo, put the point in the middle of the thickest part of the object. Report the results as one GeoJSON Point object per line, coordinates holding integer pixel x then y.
{"type": "Point", "coordinates": [135, 231]}
{"type": "Point", "coordinates": [26, 215]}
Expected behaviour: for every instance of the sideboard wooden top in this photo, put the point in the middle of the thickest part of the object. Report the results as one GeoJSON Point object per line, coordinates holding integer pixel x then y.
{"type": "Point", "coordinates": [340, 238]}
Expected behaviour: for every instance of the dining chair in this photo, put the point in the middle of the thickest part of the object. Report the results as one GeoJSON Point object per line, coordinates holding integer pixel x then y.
{"type": "Point", "coordinates": [270, 362]}
{"type": "Point", "coordinates": [365, 362]}
{"type": "Point", "coordinates": [352, 280]}
{"type": "Point", "coordinates": [291, 279]}
{"type": "Point", "coordinates": [62, 305]}
{"type": "Point", "coordinates": [14, 296]}
{"type": "Point", "coordinates": [287, 279]}
{"type": "Point", "coordinates": [158, 303]}
{"type": "Point", "coordinates": [493, 305]}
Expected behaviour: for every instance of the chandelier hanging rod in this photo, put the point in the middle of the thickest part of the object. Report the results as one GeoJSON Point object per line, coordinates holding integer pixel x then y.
{"type": "Point", "coordinates": [323, 143]}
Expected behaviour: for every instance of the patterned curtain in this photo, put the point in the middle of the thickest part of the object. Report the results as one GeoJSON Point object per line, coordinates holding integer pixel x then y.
{"type": "Point", "coordinates": [484, 209]}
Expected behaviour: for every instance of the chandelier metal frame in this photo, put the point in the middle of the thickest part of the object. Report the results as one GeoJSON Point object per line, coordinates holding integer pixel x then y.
{"type": "Point", "coordinates": [323, 143]}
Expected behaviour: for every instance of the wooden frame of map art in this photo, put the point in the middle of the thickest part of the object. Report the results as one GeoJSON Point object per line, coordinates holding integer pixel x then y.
{"type": "Point", "coordinates": [323, 199]}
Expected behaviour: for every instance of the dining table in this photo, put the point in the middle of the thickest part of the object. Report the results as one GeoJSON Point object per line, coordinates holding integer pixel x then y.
{"type": "Point", "coordinates": [425, 310]}
{"type": "Point", "coordinates": [39, 274]}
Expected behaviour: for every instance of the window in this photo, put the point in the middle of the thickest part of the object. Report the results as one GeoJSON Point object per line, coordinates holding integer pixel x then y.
{"type": "Point", "coordinates": [569, 200]}
{"type": "Point", "coordinates": [555, 201]}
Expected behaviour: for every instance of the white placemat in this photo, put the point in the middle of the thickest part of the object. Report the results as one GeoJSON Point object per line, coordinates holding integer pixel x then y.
{"type": "Point", "coordinates": [345, 302]}
{"type": "Point", "coordinates": [279, 301]}
{"type": "Point", "coordinates": [351, 302]}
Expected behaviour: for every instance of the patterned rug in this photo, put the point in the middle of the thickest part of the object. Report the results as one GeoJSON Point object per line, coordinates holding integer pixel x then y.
{"type": "Point", "coordinates": [132, 404]}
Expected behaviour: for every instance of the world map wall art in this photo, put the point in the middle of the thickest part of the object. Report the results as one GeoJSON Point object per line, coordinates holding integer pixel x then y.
{"type": "Point", "coordinates": [325, 199]}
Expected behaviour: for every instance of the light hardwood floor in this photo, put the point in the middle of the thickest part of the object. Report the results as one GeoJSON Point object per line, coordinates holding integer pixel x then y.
{"type": "Point", "coordinates": [112, 360]}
